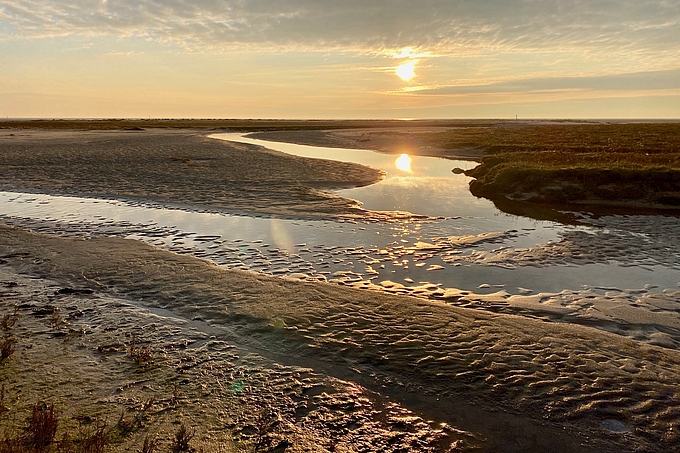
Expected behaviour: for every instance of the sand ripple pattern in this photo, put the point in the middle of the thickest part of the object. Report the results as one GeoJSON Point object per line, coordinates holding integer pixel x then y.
{"type": "Point", "coordinates": [562, 373]}
{"type": "Point", "coordinates": [234, 398]}
{"type": "Point", "coordinates": [644, 313]}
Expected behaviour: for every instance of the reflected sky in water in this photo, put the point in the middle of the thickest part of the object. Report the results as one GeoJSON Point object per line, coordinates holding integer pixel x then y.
{"type": "Point", "coordinates": [625, 252]}
{"type": "Point", "coordinates": [417, 184]}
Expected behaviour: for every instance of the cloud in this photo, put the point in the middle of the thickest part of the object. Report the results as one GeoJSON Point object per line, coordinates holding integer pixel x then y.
{"type": "Point", "coordinates": [638, 81]}
{"type": "Point", "coordinates": [441, 26]}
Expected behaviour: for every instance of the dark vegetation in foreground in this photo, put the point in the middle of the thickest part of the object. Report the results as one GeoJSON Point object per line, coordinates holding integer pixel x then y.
{"type": "Point", "coordinates": [40, 436]}
{"type": "Point", "coordinates": [589, 164]}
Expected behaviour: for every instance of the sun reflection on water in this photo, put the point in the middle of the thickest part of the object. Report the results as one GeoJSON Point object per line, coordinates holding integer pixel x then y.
{"type": "Point", "coordinates": [403, 163]}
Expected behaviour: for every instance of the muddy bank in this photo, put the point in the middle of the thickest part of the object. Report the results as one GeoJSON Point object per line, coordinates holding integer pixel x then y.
{"type": "Point", "coordinates": [178, 167]}
{"type": "Point", "coordinates": [579, 188]}
{"type": "Point", "coordinates": [589, 382]}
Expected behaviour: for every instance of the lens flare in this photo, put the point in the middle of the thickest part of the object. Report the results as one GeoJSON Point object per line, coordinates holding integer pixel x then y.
{"type": "Point", "coordinates": [281, 236]}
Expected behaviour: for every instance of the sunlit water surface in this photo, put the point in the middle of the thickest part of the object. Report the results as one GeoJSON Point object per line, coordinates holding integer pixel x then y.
{"type": "Point", "coordinates": [471, 246]}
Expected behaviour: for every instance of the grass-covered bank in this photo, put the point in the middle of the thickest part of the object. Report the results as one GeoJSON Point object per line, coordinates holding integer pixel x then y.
{"type": "Point", "coordinates": [234, 124]}
{"type": "Point", "coordinates": [604, 164]}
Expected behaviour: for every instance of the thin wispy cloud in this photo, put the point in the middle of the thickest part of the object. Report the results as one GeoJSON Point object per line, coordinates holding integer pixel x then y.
{"type": "Point", "coordinates": [442, 26]}
{"type": "Point", "coordinates": [638, 81]}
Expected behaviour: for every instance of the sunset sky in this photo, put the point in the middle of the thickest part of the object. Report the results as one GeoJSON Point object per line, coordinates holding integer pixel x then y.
{"type": "Point", "coordinates": [340, 58]}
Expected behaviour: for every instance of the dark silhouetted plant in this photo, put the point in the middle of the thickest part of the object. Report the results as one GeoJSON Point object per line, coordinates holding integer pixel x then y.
{"type": "Point", "coordinates": [95, 442]}
{"type": "Point", "coordinates": [8, 321]}
{"type": "Point", "coordinates": [3, 408]}
{"type": "Point", "coordinates": [149, 445]}
{"type": "Point", "coordinates": [42, 427]}
{"type": "Point", "coordinates": [7, 347]}
{"type": "Point", "coordinates": [141, 354]}
{"type": "Point", "coordinates": [264, 424]}
{"type": "Point", "coordinates": [56, 320]}
{"type": "Point", "coordinates": [182, 438]}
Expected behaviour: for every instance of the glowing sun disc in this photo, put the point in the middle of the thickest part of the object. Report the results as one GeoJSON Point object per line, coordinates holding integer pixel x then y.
{"type": "Point", "coordinates": [406, 71]}
{"type": "Point", "coordinates": [403, 163]}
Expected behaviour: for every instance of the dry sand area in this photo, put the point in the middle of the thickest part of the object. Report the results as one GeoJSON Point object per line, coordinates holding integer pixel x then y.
{"type": "Point", "coordinates": [131, 341]}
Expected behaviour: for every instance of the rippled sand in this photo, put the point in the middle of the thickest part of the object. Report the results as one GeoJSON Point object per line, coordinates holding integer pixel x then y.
{"type": "Point", "coordinates": [303, 366]}
{"type": "Point", "coordinates": [608, 393]}
{"type": "Point", "coordinates": [179, 167]}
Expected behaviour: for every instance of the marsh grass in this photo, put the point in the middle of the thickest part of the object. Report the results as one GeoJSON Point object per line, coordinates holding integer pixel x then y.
{"type": "Point", "coordinates": [150, 444]}
{"type": "Point", "coordinates": [7, 346]}
{"type": "Point", "coordinates": [56, 321]}
{"type": "Point", "coordinates": [636, 138]}
{"type": "Point", "coordinates": [234, 125]}
{"type": "Point", "coordinates": [176, 395]}
{"type": "Point", "coordinates": [93, 440]}
{"type": "Point", "coordinates": [42, 427]}
{"type": "Point", "coordinates": [9, 320]}
{"type": "Point", "coordinates": [182, 438]}
{"type": "Point", "coordinates": [127, 425]}
{"type": "Point", "coordinates": [143, 354]}
{"type": "Point", "coordinates": [265, 423]}
{"type": "Point", "coordinates": [575, 163]}
{"type": "Point", "coordinates": [41, 433]}
{"type": "Point", "coordinates": [3, 408]}
{"type": "Point", "coordinates": [8, 341]}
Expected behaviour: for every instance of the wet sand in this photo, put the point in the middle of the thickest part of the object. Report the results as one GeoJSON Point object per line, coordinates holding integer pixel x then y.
{"type": "Point", "coordinates": [73, 351]}
{"type": "Point", "coordinates": [181, 167]}
{"type": "Point", "coordinates": [300, 366]}
{"type": "Point", "coordinates": [606, 393]}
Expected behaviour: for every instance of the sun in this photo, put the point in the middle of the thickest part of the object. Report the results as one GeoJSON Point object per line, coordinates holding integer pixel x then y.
{"type": "Point", "coordinates": [406, 71]}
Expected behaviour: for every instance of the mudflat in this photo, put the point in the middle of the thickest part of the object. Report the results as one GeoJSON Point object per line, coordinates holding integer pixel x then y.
{"type": "Point", "coordinates": [180, 167]}
{"type": "Point", "coordinates": [143, 345]}
{"type": "Point", "coordinates": [230, 346]}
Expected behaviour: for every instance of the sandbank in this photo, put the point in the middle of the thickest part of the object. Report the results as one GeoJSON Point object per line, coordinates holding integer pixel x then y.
{"type": "Point", "coordinates": [292, 366]}
{"type": "Point", "coordinates": [602, 391]}
{"type": "Point", "coordinates": [180, 167]}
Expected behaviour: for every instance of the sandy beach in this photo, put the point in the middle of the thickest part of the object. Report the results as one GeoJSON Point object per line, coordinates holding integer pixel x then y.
{"type": "Point", "coordinates": [258, 363]}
